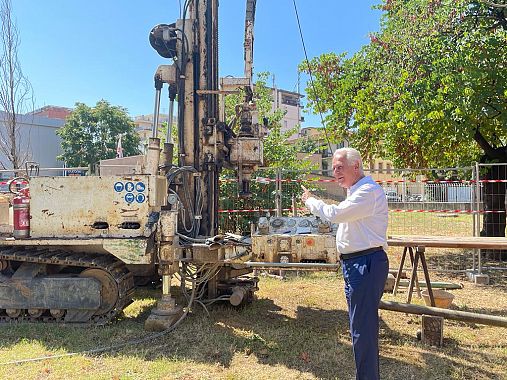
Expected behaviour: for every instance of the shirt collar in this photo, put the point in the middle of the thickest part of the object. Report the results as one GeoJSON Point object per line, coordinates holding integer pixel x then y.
{"type": "Point", "coordinates": [362, 181]}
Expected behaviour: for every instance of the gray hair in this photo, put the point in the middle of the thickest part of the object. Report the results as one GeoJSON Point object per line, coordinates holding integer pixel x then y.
{"type": "Point", "coordinates": [351, 155]}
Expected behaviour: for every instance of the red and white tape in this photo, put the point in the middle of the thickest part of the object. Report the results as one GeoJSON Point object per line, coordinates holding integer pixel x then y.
{"type": "Point", "coordinates": [427, 181]}
{"type": "Point", "coordinates": [395, 210]}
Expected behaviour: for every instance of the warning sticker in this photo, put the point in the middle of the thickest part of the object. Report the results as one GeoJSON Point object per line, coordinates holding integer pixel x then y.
{"type": "Point", "coordinates": [118, 187]}
{"type": "Point", "coordinates": [129, 187]}
{"type": "Point", "coordinates": [129, 197]}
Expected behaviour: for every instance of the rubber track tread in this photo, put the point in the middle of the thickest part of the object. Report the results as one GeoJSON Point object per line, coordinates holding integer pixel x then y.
{"type": "Point", "coordinates": [115, 267]}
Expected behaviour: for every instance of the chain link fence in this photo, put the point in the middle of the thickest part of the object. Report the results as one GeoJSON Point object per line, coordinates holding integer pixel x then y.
{"type": "Point", "coordinates": [491, 204]}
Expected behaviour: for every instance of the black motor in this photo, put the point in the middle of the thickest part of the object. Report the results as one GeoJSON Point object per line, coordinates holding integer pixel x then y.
{"type": "Point", "coordinates": [163, 39]}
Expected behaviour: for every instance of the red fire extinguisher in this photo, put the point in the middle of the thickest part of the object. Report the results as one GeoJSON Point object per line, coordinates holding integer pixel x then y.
{"type": "Point", "coordinates": [21, 213]}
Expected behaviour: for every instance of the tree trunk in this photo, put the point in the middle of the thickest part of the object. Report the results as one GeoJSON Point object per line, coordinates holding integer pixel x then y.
{"type": "Point", "coordinates": [494, 221]}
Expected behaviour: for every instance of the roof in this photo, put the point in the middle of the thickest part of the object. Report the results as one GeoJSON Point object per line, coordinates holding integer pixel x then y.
{"type": "Point", "coordinates": [30, 119]}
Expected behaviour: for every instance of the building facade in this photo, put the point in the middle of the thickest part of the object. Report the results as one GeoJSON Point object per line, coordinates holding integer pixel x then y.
{"type": "Point", "coordinates": [290, 103]}
{"type": "Point", "coordinates": [144, 125]}
{"type": "Point", "coordinates": [38, 141]}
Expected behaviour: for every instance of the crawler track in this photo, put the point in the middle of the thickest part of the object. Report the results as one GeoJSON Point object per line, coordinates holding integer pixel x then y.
{"type": "Point", "coordinates": [117, 282]}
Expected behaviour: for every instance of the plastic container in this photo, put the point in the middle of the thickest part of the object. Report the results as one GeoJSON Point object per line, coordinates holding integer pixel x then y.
{"type": "Point", "coordinates": [442, 298]}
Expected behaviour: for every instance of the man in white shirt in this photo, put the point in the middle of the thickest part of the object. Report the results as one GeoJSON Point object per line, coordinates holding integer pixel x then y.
{"type": "Point", "coordinates": [361, 242]}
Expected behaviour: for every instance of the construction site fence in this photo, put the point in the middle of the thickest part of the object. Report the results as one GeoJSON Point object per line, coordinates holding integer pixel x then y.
{"type": "Point", "coordinates": [466, 201]}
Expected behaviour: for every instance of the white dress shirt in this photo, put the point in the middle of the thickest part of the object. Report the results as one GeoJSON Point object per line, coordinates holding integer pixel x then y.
{"type": "Point", "coordinates": [361, 217]}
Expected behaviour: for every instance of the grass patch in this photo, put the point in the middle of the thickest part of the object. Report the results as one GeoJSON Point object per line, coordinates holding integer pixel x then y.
{"type": "Point", "coordinates": [296, 329]}
{"type": "Point", "coordinates": [430, 223]}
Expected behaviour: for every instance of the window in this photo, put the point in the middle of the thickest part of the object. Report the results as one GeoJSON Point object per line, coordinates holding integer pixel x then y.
{"type": "Point", "coordinates": [388, 168]}
{"type": "Point", "coordinates": [290, 100]}
{"type": "Point", "coordinates": [380, 167]}
{"type": "Point", "coordinates": [325, 169]}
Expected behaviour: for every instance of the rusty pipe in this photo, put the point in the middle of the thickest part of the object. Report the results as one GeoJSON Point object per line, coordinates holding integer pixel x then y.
{"type": "Point", "coordinates": [300, 266]}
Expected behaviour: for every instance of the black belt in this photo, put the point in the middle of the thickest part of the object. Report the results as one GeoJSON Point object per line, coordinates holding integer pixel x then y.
{"type": "Point", "coordinates": [346, 256]}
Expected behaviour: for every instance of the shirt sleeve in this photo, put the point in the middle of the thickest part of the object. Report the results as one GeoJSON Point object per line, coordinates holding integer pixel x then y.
{"type": "Point", "coordinates": [357, 206]}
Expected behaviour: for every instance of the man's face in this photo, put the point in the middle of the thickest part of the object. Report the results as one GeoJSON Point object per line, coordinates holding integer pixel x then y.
{"type": "Point", "coordinates": [345, 174]}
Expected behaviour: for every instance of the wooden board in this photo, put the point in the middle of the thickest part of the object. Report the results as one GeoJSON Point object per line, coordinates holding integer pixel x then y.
{"type": "Point", "coordinates": [447, 241]}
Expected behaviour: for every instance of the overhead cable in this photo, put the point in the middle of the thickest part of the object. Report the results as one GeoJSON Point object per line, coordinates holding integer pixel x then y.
{"type": "Point", "coordinates": [311, 76]}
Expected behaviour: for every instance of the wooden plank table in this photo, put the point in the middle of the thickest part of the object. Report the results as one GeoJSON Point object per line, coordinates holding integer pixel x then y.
{"type": "Point", "coordinates": [448, 241]}
{"type": "Point", "coordinates": [411, 243]}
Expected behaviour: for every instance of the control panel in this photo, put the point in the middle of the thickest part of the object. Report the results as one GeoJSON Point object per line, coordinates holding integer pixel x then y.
{"type": "Point", "coordinates": [294, 225]}
{"type": "Point", "coordinates": [294, 239]}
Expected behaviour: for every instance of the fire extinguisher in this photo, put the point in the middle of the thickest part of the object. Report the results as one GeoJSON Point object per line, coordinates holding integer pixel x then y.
{"type": "Point", "coordinates": [21, 213]}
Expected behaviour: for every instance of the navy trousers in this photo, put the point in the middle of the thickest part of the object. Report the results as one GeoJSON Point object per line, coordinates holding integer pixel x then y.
{"type": "Point", "coordinates": [365, 277]}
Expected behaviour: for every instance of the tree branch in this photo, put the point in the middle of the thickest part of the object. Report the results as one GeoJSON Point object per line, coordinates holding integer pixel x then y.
{"type": "Point", "coordinates": [16, 93]}
{"type": "Point", "coordinates": [484, 144]}
{"type": "Point", "coordinates": [493, 5]}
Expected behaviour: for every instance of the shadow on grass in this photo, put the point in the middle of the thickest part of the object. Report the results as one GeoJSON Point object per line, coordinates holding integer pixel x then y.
{"type": "Point", "coordinates": [312, 340]}
{"type": "Point", "coordinates": [307, 339]}
{"type": "Point", "coordinates": [459, 362]}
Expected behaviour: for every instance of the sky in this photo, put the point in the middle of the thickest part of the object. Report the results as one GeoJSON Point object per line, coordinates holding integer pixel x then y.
{"type": "Point", "coordinates": [88, 50]}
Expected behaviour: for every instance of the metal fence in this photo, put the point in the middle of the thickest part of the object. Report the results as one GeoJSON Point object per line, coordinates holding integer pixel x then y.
{"type": "Point", "coordinates": [467, 201]}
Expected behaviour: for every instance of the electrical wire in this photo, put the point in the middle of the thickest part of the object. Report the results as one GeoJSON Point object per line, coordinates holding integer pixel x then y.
{"type": "Point", "coordinates": [189, 211]}
{"type": "Point", "coordinates": [311, 76]}
{"type": "Point", "coordinates": [190, 239]}
{"type": "Point", "coordinates": [201, 275]}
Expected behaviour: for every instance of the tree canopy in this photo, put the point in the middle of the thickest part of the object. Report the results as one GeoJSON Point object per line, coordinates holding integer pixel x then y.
{"type": "Point", "coordinates": [91, 134]}
{"type": "Point", "coordinates": [430, 89]}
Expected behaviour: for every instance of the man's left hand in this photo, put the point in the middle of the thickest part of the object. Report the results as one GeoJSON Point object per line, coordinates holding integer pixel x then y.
{"type": "Point", "coordinates": [306, 194]}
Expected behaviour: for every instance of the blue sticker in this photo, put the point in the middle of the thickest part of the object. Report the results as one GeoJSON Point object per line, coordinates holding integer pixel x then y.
{"type": "Point", "coordinates": [129, 197]}
{"type": "Point", "coordinates": [118, 187]}
{"type": "Point", "coordinates": [129, 187]}
{"type": "Point", "coordinates": [140, 186]}
{"type": "Point", "coordinates": [140, 198]}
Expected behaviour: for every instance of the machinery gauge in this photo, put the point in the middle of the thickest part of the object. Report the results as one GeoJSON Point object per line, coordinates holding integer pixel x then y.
{"type": "Point", "coordinates": [304, 223]}
{"type": "Point", "coordinates": [291, 223]}
{"type": "Point", "coordinates": [277, 223]}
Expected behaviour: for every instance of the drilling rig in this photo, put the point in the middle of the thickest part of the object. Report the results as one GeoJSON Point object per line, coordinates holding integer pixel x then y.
{"type": "Point", "coordinates": [81, 245]}
{"type": "Point", "coordinates": [91, 239]}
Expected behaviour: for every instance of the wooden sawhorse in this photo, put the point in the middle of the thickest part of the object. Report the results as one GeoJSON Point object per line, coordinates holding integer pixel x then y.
{"type": "Point", "coordinates": [414, 260]}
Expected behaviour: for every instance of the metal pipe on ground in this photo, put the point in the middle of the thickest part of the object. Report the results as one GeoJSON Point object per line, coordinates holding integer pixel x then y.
{"type": "Point", "coordinates": [465, 316]}
{"type": "Point", "coordinates": [289, 266]}
{"type": "Point", "coordinates": [434, 284]}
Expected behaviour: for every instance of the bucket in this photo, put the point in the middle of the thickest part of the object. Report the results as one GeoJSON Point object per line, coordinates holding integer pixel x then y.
{"type": "Point", "coordinates": [442, 298]}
